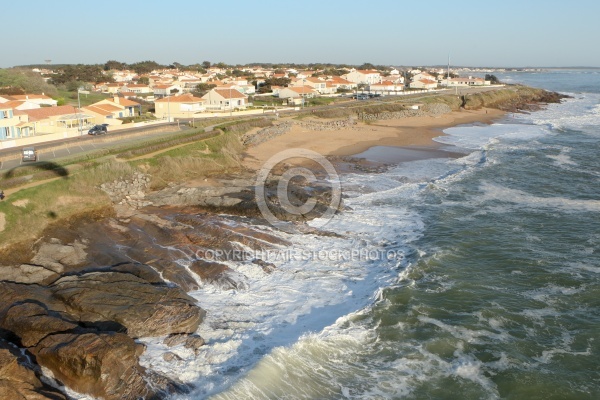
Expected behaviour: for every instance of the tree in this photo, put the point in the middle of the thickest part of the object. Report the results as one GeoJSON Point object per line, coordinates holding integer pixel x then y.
{"type": "Point", "coordinates": [144, 80]}
{"type": "Point", "coordinates": [112, 64]}
{"type": "Point", "coordinates": [22, 81]}
{"type": "Point", "coordinates": [79, 73]}
{"type": "Point", "coordinates": [492, 78]}
{"type": "Point", "coordinates": [206, 64]}
{"type": "Point", "coordinates": [367, 66]}
{"type": "Point", "coordinates": [145, 67]}
{"type": "Point", "coordinates": [267, 85]}
{"type": "Point", "coordinates": [202, 88]}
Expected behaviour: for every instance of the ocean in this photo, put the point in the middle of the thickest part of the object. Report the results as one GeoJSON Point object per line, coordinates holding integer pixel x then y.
{"type": "Point", "coordinates": [475, 277]}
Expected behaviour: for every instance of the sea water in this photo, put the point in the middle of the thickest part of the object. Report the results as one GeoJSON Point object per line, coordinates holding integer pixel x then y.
{"type": "Point", "coordinates": [479, 277]}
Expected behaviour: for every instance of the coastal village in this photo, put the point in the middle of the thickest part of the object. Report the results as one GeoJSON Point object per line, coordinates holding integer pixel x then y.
{"type": "Point", "coordinates": [130, 258]}
{"type": "Point", "coordinates": [166, 95]}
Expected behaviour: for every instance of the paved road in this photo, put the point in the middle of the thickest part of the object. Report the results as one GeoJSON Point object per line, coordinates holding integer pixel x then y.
{"type": "Point", "coordinates": [10, 158]}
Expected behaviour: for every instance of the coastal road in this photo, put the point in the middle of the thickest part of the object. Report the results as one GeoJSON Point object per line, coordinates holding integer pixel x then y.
{"type": "Point", "coordinates": [50, 151]}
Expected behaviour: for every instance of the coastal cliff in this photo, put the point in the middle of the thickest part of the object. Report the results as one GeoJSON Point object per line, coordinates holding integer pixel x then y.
{"type": "Point", "coordinates": [77, 299]}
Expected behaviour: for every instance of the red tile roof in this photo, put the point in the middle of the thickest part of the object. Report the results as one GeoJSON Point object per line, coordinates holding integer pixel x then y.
{"type": "Point", "coordinates": [12, 104]}
{"type": "Point", "coordinates": [184, 98]}
{"type": "Point", "coordinates": [47, 112]}
{"type": "Point", "coordinates": [367, 71]}
{"type": "Point", "coordinates": [103, 109]}
{"type": "Point", "coordinates": [123, 102]}
{"type": "Point", "coordinates": [235, 94]}
{"type": "Point", "coordinates": [30, 96]}
{"type": "Point", "coordinates": [301, 90]}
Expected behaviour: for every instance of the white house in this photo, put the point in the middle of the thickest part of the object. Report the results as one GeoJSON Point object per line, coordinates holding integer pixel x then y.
{"type": "Point", "coordinates": [470, 81]}
{"type": "Point", "coordinates": [136, 88]}
{"type": "Point", "coordinates": [225, 99]}
{"type": "Point", "coordinates": [363, 76]}
{"type": "Point", "coordinates": [183, 106]}
{"type": "Point", "coordinates": [422, 76]}
{"type": "Point", "coordinates": [313, 83]}
{"type": "Point", "coordinates": [166, 90]}
{"type": "Point", "coordinates": [341, 83]}
{"type": "Point", "coordinates": [424, 84]}
{"type": "Point", "coordinates": [294, 92]}
{"type": "Point", "coordinates": [386, 87]}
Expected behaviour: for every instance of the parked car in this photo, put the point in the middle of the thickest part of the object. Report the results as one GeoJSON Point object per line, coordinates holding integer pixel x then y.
{"type": "Point", "coordinates": [29, 154]}
{"type": "Point", "coordinates": [98, 130]}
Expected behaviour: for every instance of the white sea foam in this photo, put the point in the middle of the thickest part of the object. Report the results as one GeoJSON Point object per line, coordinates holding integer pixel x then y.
{"type": "Point", "coordinates": [483, 137]}
{"type": "Point", "coordinates": [582, 112]}
{"type": "Point", "coordinates": [563, 158]}
{"type": "Point", "coordinates": [277, 310]}
{"type": "Point", "coordinates": [479, 336]}
{"type": "Point", "coordinates": [493, 192]}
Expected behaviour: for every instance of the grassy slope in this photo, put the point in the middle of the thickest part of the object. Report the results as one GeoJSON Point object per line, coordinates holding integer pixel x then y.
{"type": "Point", "coordinates": [29, 211]}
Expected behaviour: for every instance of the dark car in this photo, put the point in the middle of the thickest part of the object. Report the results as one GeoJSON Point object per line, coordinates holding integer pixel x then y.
{"type": "Point", "coordinates": [98, 130]}
{"type": "Point", "coordinates": [29, 154]}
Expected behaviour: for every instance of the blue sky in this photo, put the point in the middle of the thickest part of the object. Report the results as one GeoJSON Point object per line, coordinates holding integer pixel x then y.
{"type": "Point", "coordinates": [396, 32]}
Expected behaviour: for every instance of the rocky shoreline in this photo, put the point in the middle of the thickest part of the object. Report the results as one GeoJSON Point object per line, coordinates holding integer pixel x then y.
{"type": "Point", "coordinates": [75, 304]}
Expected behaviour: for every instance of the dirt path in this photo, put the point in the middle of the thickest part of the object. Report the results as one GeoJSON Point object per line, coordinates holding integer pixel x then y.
{"type": "Point", "coordinates": [10, 191]}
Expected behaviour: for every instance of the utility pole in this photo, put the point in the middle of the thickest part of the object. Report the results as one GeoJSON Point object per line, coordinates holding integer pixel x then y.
{"type": "Point", "coordinates": [79, 112]}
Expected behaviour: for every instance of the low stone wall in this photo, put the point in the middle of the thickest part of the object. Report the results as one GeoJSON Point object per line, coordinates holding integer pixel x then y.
{"type": "Point", "coordinates": [428, 110]}
{"type": "Point", "coordinates": [131, 192]}
{"type": "Point", "coordinates": [327, 125]}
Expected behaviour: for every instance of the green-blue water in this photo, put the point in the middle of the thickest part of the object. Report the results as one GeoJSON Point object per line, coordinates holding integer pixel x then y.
{"type": "Point", "coordinates": [497, 294]}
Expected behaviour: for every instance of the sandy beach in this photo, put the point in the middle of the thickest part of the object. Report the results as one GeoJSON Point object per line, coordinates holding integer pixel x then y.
{"type": "Point", "coordinates": [410, 131]}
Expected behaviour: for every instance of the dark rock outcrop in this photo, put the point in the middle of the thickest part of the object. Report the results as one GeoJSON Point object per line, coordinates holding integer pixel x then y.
{"type": "Point", "coordinates": [18, 380]}
{"type": "Point", "coordinates": [101, 364]}
{"type": "Point", "coordinates": [144, 310]}
{"type": "Point", "coordinates": [89, 356]}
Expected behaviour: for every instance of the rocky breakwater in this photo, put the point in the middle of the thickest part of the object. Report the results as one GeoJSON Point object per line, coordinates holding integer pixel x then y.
{"type": "Point", "coordinates": [265, 134]}
{"type": "Point", "coordinates": [427, 110]}
{"type": "Point", "coordinates": [130, 191]}
{"type": "Point", "coordinates": [79, 320]}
